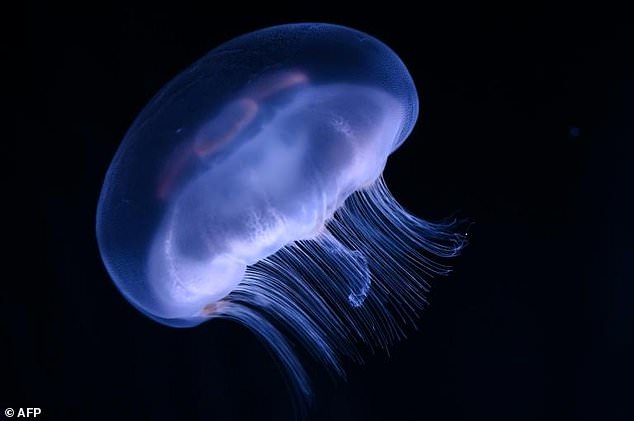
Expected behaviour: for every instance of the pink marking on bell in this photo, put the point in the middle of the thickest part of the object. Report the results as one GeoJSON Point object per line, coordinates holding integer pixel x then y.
{"type": "Point", "coordinates": [225, 127]}
{"type": "Point", "coordinates": [275, 83]}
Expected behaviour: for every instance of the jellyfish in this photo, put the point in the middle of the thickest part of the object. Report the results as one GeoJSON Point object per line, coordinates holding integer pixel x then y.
{"type": "Point", "coordinates": [250, 188]}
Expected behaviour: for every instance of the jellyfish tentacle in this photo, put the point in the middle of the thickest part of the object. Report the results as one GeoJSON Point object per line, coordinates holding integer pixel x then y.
{"type": "Point", "coordinates": [278, 290]}
{"type": "Point", "coordinates": [372, 247]}
{"type": "Point", "coordinates": [279, 346]}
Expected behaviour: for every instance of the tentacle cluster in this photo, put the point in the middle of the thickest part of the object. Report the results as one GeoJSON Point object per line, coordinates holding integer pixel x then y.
{"type": "Point", "coordinates": [361, 281]}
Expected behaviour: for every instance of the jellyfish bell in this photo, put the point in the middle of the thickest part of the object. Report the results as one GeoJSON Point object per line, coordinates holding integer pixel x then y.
{"type": "Point", "coordinates": [309, 151]}
{"type": "Point", "coordinates": [250, 188]}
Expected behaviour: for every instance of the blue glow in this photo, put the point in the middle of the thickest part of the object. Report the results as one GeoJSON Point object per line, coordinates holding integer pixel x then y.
{"type": "Point", "coordinates": [250, 188]}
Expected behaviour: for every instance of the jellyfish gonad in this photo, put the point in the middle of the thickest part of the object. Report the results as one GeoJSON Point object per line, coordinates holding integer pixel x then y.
{"type": "Point", "coordinates": [251, 188]}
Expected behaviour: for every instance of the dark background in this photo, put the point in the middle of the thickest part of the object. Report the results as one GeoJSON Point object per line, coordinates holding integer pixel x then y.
{"type": "Point", "coordinates": [525, 128]}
